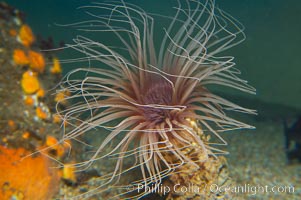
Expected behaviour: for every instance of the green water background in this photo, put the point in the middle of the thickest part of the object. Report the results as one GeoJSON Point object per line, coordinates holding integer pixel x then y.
{"type": "Point", "coordinates": [269, 58]}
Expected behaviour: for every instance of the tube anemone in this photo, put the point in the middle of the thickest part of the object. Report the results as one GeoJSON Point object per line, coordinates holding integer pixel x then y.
{"type": "Point", "coordinates": [151, 92]}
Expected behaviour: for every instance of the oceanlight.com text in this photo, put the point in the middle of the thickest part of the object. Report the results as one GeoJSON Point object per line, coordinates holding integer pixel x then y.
{"type": "Point", "coordinates": [252, 189]}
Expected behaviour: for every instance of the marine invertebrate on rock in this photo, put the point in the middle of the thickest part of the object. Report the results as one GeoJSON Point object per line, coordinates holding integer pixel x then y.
{"type": "Point", "coordinates": [29, 100]}
{"type": "Point", "coordinates": [41, 113]}
{"type": "Point", "coordinates": [41, 93]}
{"type": "Point", "coordinates": [20, 57]}
{"type": "Point", "coordinates": [29, 82]}
{"type": "Point", "coordinates": [26, 121]}
{"type": "Point", "coordinates": [26, 135]}
{"type": "Point", "coordinates": [56, 118]}
{"type": "Point", "coordinates": [61, 97]}
{"type": "Point", "coordinates": [69, 173]}
{"type": "Point", "coordinates": [151, 93]}
{"type": "Point", "coordinates": [26, 36]}
{"type": "Point", "coordinates": [59, 149]}
{"type": "Point", "coordinates": [12, 125]}
{"type": "Point", "coordinates": [27, 178]}
{"type": "Point", "coordinates": [13, 32]}
{"type": "Point", "coordinates": [36, 61]}
{"type": "Point", "coordinates": [56, 68]}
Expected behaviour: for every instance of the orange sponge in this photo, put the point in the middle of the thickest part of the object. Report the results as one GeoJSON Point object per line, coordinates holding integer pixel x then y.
{"type": "Point", "coordinates": [26, 36]}
{"type": "Point", "coordinates": [56, 68]}
{"type": "Point", "coordinates": [31, 178]}
{"type": "Point", "coordinates": [29, 82]}
{"type": "Point", "coordinates": [36, 61]}
{"type": "Point", "coordinates": [20, 58]}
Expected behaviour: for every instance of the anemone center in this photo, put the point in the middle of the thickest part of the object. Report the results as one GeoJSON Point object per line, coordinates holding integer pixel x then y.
{"type": "Point", "coordinates": [156, 100]}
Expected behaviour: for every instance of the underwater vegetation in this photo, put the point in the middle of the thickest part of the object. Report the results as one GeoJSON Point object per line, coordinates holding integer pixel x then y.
{"type": "Point", "coordinates": [148, 99]}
